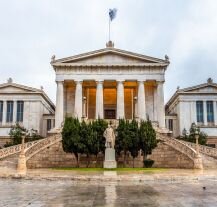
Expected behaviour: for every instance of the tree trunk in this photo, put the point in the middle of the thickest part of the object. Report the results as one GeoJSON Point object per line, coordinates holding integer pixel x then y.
{"type": "Point", "coordinates": [88, 160]}
{"type": "Point", "coordinates": [144, 158]}
{"type": "Point", "coordinates": [96, 159]}
{"type": "Point", "coordinates": [77, 160]}
{"type": "Point", "coordinates": [125, 159]}
{"type": "Point", "coordinates": [133, 161]}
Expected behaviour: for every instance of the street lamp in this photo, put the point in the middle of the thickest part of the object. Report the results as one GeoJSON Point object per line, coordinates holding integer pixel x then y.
{"type": "Point", "coordinates": [135, 110]}
{"type": "Point", "coordinates": [21, 166]}
{"type": "Point", "coordinates": [84, 107]}
{"type": "Point", "coordinates": [184, 132]}
{"type": "Point", "coordinates": [195, 132]}
{"type": "Point", "coordinates": [198, 159]}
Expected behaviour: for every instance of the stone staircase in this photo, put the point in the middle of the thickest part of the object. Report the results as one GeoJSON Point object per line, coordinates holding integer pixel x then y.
{"type": "Point", "coordinates": [208, 154]}
{"type": "Point", "coordinates": [9, 155]}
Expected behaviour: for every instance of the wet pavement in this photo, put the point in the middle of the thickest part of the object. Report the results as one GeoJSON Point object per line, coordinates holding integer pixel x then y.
{"type": "Point", "coordinates": [37, 193]}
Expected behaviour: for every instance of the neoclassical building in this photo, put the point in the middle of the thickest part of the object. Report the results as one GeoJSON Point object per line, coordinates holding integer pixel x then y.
{"type": "Point", "coordinates": [30, 107]}
{"type": "Point", "coordinates": [110, 83]}
{"type": "Point", "coordinates": [196, 104]}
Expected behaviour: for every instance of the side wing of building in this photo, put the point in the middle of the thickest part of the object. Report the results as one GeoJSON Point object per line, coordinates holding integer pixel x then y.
{"type": "Point", "coordinates": [23, 105]}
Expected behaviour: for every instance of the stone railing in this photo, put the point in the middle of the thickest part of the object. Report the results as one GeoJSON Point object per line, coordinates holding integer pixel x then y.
{"type": "Point", "coordinates": [5, 152]}
{"type": "Point", "coordinates": [44, 143]}
{"type": "Point", "coordinates": [212, 152]}
{"type": "Point", "coordinates": [178, 145]}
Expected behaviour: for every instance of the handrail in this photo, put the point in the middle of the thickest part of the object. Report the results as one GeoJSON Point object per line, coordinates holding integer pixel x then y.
{"type": "Point", "coordinates": [210, 151]}
{"type": "Point", "coordinates": [178, 145]}
{"type": "Point", "coordinates": [44, 143]}
{"type": "Point", "coordinates": [7, 151]}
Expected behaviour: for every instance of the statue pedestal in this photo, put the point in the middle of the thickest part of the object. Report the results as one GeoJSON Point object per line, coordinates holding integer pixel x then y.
{"type": "Point", "coordinates": [110, 161]}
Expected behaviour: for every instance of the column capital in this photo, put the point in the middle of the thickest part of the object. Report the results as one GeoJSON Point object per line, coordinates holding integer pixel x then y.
{"type": "Point", "coordinates": [159, 82]}
{"type": "Point", "coordinates": [120, 81]}
{"type": "Point", "coordinates": [59, 81]}
{"type": "Point", "coordinates": [78, 81]}
{"type": "Point", "coordinates": [99, 81]}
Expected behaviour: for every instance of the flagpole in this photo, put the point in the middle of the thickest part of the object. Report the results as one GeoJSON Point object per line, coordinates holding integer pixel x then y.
{"type": "Point", "coordinates": [109, 27]}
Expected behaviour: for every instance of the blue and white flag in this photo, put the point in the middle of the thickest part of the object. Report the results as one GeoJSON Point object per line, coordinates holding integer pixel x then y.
{"type": "Point", "coordinates": [112, 13]}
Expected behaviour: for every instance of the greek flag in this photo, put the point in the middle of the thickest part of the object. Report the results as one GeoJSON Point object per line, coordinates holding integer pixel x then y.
{"type": "Point", "coordinates": [112, 13]}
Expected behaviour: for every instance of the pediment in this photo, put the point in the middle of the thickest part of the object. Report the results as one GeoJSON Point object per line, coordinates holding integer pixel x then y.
{"type": "Point", "coordinates": [109, 56]}
{"type": "Point", "coordinates": [14, 88]}
{"type": "Point", "coordinates": [203, 89]}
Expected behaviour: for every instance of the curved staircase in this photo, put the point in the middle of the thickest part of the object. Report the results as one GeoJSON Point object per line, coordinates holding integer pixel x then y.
{"type": "Point", "coordinates": [9, 155]}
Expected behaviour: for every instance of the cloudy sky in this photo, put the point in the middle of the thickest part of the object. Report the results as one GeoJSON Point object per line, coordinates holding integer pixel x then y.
{"type": "Point", "coordinates": [32, 31]}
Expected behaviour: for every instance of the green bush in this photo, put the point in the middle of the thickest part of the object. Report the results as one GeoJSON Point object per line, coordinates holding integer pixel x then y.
{"type": "Point", "coordinates": [191, 136]}
{"type": "Point", "coordinates": [148, 163]}
{"type": "Point", "coordinates": [18, 131]}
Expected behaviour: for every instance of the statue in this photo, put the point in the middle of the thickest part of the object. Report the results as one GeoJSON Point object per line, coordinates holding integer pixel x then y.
{"type": "Point", "coordinates": [53, 58]}
{"type": "Point", "coordinates": [109, 161]}
{"type": "Point", "coordinates": [110, 137]}
{"type": "Point", "coordinates": [167, 58]}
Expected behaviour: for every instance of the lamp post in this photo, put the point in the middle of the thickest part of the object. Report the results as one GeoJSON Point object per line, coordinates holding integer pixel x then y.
{"type": "Point", "coordinates": [135, 110]}
{"type": "Point", "coordinates": [184, 132]}
{"type": "Point", "coordinates": [21, 166]}
{"type": "Point", "coordinates": [198, 159]}
{"type": "Point", "coordinates": [84, 108]}
{"type": "Point", "coordinates": [196, 134]}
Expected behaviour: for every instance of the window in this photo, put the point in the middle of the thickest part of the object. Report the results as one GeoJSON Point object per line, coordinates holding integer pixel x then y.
{"type": "Point", "coordinates": [1, 111]}
{"type": "Point", "coordinates": [20, 105]}
{"type": "Point", "coordinates": [170, 124]}
{"type": "Point", "coordinates": [199, 106]}
{"type": "Point", "coordinates": [10, 105]}
{"type": "Point", "coordinates": [48, 124]}
{"type": "Point", "coordinates": [210, 113]}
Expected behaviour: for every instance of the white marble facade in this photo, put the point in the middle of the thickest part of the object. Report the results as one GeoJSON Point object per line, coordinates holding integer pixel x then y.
{"type": "Point", "coordinates": [183, 109]}
{"type": "Point", "coordinates": [110, 83]}
{"type": "Point", "coordinates": [36, 110]}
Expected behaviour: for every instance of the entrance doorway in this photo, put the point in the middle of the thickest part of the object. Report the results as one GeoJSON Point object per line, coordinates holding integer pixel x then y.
{"type": "Point", "coordinates": [110, 114]}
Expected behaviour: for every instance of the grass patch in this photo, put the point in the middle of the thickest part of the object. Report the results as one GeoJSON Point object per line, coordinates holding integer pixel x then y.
{"type": "Point", "coordinates": [116, 169]}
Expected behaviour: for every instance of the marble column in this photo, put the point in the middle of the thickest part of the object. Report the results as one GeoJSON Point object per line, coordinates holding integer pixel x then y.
{"type": "Point", "coordinates": [4, 113]}
{"type": "Point", "coordinates": [155, 103]}
{"type": "Point", "coordinates": [99, 100]}
{"type": "Point", "coordinates": [160, 105]}
{"type": "Point", "coordinates": [215, 112]}
{"type": "Point", "coordinates": [78, 99]}
{"type": "Point", "coordinates": [14, 111]}
{"type": "Point", "coordinates": [193, 112]}
{"type": "Point", "coordinates": [204, 113]}
{"type": "Point", "coordinates": [120, 100]}
{"type": "Point", "coordinates": [141, 108]}
{"type": "Point", "coordinates": [59, 105]}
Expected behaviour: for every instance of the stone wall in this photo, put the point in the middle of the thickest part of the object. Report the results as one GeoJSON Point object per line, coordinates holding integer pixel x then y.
{"type": "Point", "coordinates": [212, 141]}
{"type": "Point", "coordinates": [54, 156]}
{"type": "Point", "coordinates": [167, 157]}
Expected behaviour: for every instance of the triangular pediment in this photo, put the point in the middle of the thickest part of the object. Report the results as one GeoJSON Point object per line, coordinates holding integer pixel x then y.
{"type": "Point", "coordinates": [109, 56]}
{"type": "Point", "coordinates": [15, 88]}
{"type": "Point", "coordinates": [204, 88]}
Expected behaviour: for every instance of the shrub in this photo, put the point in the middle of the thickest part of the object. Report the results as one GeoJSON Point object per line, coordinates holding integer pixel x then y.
{"type": "Point", "coordinates": [191, 136]}
{"type": "Point", "coordinates": [148, 163]}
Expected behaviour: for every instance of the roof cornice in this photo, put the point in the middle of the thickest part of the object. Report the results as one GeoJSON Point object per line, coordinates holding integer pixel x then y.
{"type": "Point", "coordinates": [85, 65]}
{"type": "Point", "coordinates": [107, 50]}
{"type": "Point", "coordinates": [30, 90]}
